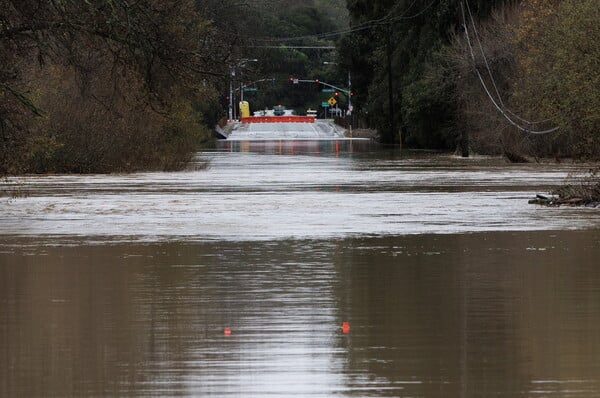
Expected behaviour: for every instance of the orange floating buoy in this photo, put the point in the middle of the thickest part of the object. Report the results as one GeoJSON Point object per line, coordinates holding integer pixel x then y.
{"type": "Point", "coordinates": [227, 331]}
{"type": "Point", "coordinates": [345, 327]}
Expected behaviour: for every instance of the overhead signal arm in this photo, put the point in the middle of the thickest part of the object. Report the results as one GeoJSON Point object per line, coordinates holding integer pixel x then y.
{"type": "Point", "coordinates": [317, 81]}
{"type": "Point", "coordinates": [243, 86]}
{"type": "Point", "coordinates": [347, 92]}
{"type": "Point", "coordinates": [296, 80]}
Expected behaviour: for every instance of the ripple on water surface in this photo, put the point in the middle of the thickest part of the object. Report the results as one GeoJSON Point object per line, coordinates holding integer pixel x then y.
{"type": "Point", "coordinates": [250, 196]}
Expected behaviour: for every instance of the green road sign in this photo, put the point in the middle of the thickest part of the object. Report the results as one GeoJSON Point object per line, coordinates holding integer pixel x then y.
{"type": "Point", "coordinates": [329, 90]}
{"type": "Point", "coordinates": [325, 104]}
{"type": "Point", "coordinates": [246, 89]}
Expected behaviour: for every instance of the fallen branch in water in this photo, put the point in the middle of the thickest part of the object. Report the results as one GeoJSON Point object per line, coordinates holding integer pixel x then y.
{"type": "Point", "coordinates": [582, 190]}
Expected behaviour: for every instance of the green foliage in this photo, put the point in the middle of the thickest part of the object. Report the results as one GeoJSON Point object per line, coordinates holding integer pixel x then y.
{"type": "Point", "coordinates": [303, 21]}
{"type": "Point", "coordinates": [112, 85]}
{"type": "Point", "coordinates": [543, 55]}
{"type": "Point", "coordinates": [488, 130]}
{"type": "Point", "coordinates": [180, 136]}
{"type": "Point", "coordinates": [581, 188]}
{"type": "Point", "coordinates": [42, 152]}
{"type": "Point", "coordinates": [561, 72]}
{"type": "Point", "coordinates": [102, 86]}
{"type": "Point", "coordinates": [424, 105]}
{"type": "Point", "coordinates": [429, 105]}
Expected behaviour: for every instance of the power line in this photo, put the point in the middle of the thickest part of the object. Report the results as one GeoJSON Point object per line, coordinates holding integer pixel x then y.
{"type": "Point", "coordinates": [418, 14]}
{"type": "Point", "coordinates": [385, 20]}
{"type": "Point", "coordinates": [487, 65]}
{"type": "Point", "coordinates": [491, 75]}
{"type": "Point", "coordinates": [325, 35]}
{"type": "Point", "coordinates": [496, 105]}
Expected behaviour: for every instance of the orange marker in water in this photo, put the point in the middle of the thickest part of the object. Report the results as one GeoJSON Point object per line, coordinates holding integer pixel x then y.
{"type": "Point", "coordinates": [227, 331]}
{"type": "Point", "coordinates": [345, 327]}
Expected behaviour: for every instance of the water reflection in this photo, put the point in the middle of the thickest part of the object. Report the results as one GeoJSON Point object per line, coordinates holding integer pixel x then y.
{"type": "Point", "coordinates": [299, 147]}
{"type": "Point", "coordinates": [509, 314]}
{"type": "Point", "coordinates": [453, 285]}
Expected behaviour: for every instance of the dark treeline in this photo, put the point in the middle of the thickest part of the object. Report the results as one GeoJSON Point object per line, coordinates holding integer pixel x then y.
{"type": "Point", "coordinates": [113, 85]}
{"type": "Point", "coordinates": [524, 68]}
{"type": "Point", "coordinates": [103, 85]}
{"type": "Point", "coordinates": [407, 42]}
{"type": "Point", "coordinates": [290, 39]}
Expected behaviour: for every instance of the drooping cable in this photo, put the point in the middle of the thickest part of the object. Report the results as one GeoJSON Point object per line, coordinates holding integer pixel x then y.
{"type": "Point", "coordinates": [387, 19]}
{"type": "Point", "coordinates": [487, 65]}
{"type": "Point", "coordinates": [491, 75]}
{"type": "Point", "coordinates": [501, 109]}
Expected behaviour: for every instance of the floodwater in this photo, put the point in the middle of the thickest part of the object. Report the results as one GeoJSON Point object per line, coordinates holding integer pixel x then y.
{"type": "Point", "coordinates": [450, 283]}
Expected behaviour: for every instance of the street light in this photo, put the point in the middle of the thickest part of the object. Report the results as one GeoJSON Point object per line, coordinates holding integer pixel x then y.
{"type": "Point", "coordinates": [232, 68]}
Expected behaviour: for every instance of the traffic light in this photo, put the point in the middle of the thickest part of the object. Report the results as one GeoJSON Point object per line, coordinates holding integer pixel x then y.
{"type": "Point", "coordinates": [336, 94]}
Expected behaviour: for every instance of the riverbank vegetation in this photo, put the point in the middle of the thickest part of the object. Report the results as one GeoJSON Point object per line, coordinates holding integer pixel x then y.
{"type": "Point", "coordinates": [101, 86]}
{"type": "Point", "coordinates": [519, 81]}
{"type": "Point", "coordinates": [111, 85]}
{"type": "Point", "coordinates": [580, 189]}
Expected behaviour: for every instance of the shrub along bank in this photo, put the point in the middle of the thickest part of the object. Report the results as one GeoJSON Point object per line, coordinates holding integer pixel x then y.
{"type": "Point", "coordinates": [534, 62]}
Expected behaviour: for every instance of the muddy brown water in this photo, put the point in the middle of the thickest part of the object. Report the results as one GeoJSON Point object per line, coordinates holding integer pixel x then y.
{"type": "Point", "coordinates": [452, 285]}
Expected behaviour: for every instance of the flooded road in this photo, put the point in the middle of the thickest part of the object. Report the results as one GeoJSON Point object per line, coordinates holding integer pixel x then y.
{"type": "Point", "coordinates": [249, 196]}
{"type": "Point", "coordinates": [452, 285]}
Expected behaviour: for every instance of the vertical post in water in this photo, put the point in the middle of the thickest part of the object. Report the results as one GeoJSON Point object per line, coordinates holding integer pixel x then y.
{"type": "Point", "coordinates": [464, 144]}
{"type": "Point", "coordinates": [389, 137]}
{"type": "Point", "coordinates": [230, 94]}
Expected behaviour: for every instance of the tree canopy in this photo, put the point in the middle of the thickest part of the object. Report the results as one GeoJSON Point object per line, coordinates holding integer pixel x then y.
{"type": "Point", "coordinates": [101, 85]}
{"type": "Point", "coordinates": [403, 47]}
{"type": "Point", "coordinates": [105, 85]}
{"type": "Point", "coordinates": [72, 68]}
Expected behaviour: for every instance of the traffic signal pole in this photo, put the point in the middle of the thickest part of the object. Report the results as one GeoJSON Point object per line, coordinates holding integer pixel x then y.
{"type": "Point", "coordinates": [350, 103]}
{"type": "Point", "coordinates": [389, 137]}
{"type": "Point", "coordinates": [347, 92]}
{"type": "Point", "coordinates": [316, 81]}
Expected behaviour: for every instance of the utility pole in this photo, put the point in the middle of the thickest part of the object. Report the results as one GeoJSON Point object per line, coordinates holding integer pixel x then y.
{"type": "Point", "coordinates": [389, 137]}
{"type": "Point", "coordinates": [241, 92]}
{"type": "Point", "coordinates": [350, 110]}
{"type": "Point", "coordinates": [464, 143]}
{"type": "Point", "coordinates": [232, 68]}
{"type": "Point", "coordinates": [231, 76]}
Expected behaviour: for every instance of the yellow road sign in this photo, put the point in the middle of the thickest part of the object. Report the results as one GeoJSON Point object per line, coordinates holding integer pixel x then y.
{"type": "Point", "coordinates": [332, 101]}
